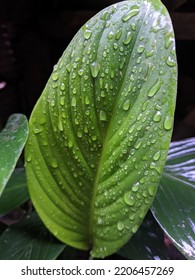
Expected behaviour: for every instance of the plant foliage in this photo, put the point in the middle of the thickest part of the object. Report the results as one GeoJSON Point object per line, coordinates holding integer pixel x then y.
{"type": "Point", "coordinates": [100, 132]}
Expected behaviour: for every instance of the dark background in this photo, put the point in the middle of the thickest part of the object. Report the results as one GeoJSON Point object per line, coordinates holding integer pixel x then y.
{"type": "Point", "coordinates": [34, 33]}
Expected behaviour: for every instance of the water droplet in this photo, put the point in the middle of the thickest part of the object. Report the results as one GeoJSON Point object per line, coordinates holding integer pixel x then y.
{"type": "Point", "coordinates": [95, 68]}
{"type": "Point", "coordinates": [157, 116]}
{"type": "Point", "coordinates": [38, 129]}
{"type": "Point", "coordinates": [135, 187]}
{"type": "Point", "coordinates": [62, 86]}
{"type": "Point", "coordinates": [139, 117]}
{"type": "Point", "coordinates": [142, 181]}
{"type": "Point", "coordinates": [126, 105]}
{"type": "Point", "coordinates": [112, 74]}
{"type": "Point", "coordinates": [168, 123]}
{"type": "Point", "coordinates": [80, 72]}
{"type": "Point", "coordinates": [155, 88]}
{"type": "Point", "coordinates": [62, 99]}
{"type": "Point", "coordinates": [129, 199]}
{"type": "Point", "coordinates": [138, 144]}
{"type": "Point", "coordinates": [139, 60]}
{"type": "Point", "coordinates": [87, 113]}
{"type": "Point", "coordinates": [104, 54]}
{"type": "Point", "coordinates": [103, 116]}
{"type": "Point", "coordinates": [118, 34]}
{"type": "Point", "coordinates": [87, 34]}
{"type": "Point", "coordinates": [128, 38]}
{"type": "Point", "coordinates": [87, 100]}
{"type": "Point", "coordinates": [55, 76]}
{"type": "Point", "coordinates": [60, 125]}
{"type": "Point", "coordinates": [121, 49]}
{"type": "Point", "coordinates": [170, 62]}
{"type": "Point", "coordinates": [99, 220]}
{"type": "Point", "coordinates": [131, 129]}
{"type": "Point", "coordinates": [132, 216]}
{"type": "Point", "coordinates": [104, 15]}
{"type": "Point", "coordinates": [80, 134]}
{"type": "Point", "coordinates": [122, 63]}
{"type": "Point", "coordinates": [151, 190]}
{"type": "Point", "coordinates": [107, 23]}
{"type": "Point", "coordinates": [110, 35]}
{"type": "Point", "coordinates": [70, 143]}
{"type": "Point", "coordinates": [150, 53]}
{"type": "Point", "coordinates": [157, 156]}
{"type": "Point", "coordinates": [76, 121]}
{"type": "Point", "coordinates": [140, 48]}
{"type": "Point", "coordinates": [133, 26]}
{"type": "Point", "coordinates": [29, 158]}
{"type": "Point", "coordinates": [54, 163]}
{"type": "Point", "coordinates": [144, 106]}
{"type": "Point", "coordinates": [68, 67]}
{"type": "Point", "coordinates": [86, 129]}
{"type": "Point", "coordinates": [74, 102]}
{"type": "Point", "coordinates": [120, 226]}
{"type": "Point", "coordinates": [94, 137]}
{"type": "Point", "coordinates": [115, 46]}
{"type": "Point", "coordinates": [155, 167]}
{"type": "Point", "coordinates": [134, 228]}
{"type": "Point", "coordinates": [52, 103]}
{"type": "Point", "coordinates": [168, 40]}
{"type": "Point", "coordinates": [133, 12]}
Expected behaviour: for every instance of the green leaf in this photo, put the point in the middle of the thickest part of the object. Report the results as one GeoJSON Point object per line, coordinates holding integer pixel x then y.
{"type": "Point", "coordinates": [173, 206]}
{"type": "Point", "coordinates": [12, 140]}
{"type": "Point", "coordinates": [147, 243]}
{"type": "Point", "coordinates": [15, 193]}
{"type": "Point", "coordinates": [100, 132]}
{"type": "Point", "coordinates": [29, 240]}
{"type": "Point", "coordinates": [2, 227]}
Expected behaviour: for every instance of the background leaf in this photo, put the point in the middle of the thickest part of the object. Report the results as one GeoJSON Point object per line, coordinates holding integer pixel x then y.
{"type": "Point", "coordinates": [15, 193]}
{"type": "Point", "coordinates": [100, 132]}
{"type": "Point", "coordinates": [12, 140]}
{"type": "Point", "coordinates": [2, 228]}
{"type": "Point", "coordinates": [29, 240]}
{"type": "Point", "coordinates": [174, 205]}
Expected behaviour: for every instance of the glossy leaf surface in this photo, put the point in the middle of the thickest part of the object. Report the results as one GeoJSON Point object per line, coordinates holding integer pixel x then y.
{"type": "Point", "coordinates": [12, 140]}
{"type": "Point", "coordinates": [100, 132]}
{"type": "Point", "coordinates": [15, 193]}
{"type": "Point", "coordinates": [29, 240]}
{"type": "Point", "coordinates": [174, 205]}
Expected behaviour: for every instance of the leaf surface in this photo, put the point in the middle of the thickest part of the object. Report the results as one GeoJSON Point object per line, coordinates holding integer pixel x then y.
{"type": "Point", "coordinates": [15, 193]}
{"type": "Point", "coordinates": [29, 240]}
{"type": "Point", "coordinates": [100, 132]}
{"type": "Point", "coordinates": [12, 140]}
{"type": "Point", "coordinates": [174, 203]}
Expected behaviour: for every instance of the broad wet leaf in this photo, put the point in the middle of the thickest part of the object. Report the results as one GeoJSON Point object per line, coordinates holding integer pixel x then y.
{"type": "Point", "coordinates": [100, 132]}
{"type": "Point", "coordinates": [12, 140]}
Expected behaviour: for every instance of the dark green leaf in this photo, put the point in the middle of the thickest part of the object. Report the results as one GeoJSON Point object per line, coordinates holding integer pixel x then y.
{"type": "Point", "coordinates": [2, 227]}
{"type": "Point", "coordinates": [147, 243]}
{"type": "Point", "coordinates": [29, 240]}
{"type": "Point", "coordinates": [12, 140]}
{"type": "Point", "coordinates": [15, 193]}
{"type": "Point", "coordinates": [174, 205]}
{"type": "Point", "coordinates": [100, 132]}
